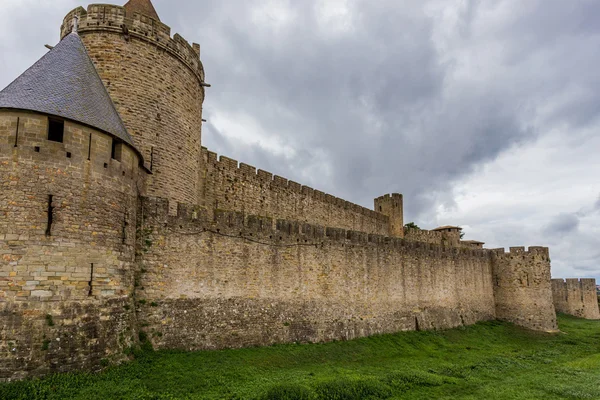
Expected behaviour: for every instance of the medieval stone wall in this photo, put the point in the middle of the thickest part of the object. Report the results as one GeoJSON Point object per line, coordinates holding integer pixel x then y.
{"type": "Point", "coordinates": [155, 82]}
{"type": "Point", "coordinates": [577, 297]}
{"type": "Point", "coordinates": [522, 287]}
{"type": "Point", "coordinates": [67, 257]}
{"type": "Point", "coordinates": [230, 187]}
{"type": "Point", "coordinates": [423, 235]}
{"type": "Point", "coordinates": [236, 281]}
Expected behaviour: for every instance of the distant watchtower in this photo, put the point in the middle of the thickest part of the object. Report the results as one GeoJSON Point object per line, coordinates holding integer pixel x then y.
{"type": "Point", "coordinates": [392, 206]}
{"type": "Point", "coordinates": [157, 84]}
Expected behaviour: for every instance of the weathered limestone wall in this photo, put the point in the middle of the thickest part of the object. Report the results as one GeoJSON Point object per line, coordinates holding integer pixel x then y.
{"type": "Point", "coordinates": [80, 268]}
{"type": "Point", "coordinates": [155, 82]}
{"type": "Point", "coordinates": [522, 287]}
{"type": "Point", "coordinates": [42, 337]}
{"type": "Point", "coordinates": [243, 280]}
{"type": "Point", "coordinates": [576, 297]}
{"type": "Point", "coordinates": [423, 235]}
{"type": "Point", "coordinates": [230, 187]}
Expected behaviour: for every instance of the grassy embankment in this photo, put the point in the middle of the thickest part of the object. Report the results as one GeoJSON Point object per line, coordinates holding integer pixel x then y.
{"type": "Point", "coordinates": [490, 360]}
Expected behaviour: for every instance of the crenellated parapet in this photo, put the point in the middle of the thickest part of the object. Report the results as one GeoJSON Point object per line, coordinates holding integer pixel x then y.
{"type": "Point", "coordinates": [576, 297]}
{"type": "Point", "coordinates": [196, 220]}
{"type": "Point", "coordinates": [229, 185]}
{"type": "Point", "coordinates": [113, 18]}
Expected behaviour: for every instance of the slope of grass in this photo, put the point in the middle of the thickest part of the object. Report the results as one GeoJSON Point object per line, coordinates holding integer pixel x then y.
{"type": "Point", "coordinates": [490, 360]}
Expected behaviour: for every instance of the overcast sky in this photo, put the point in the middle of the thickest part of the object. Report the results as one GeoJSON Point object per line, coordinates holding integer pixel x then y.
{"type": "Point", "coordinates": [484, 114]}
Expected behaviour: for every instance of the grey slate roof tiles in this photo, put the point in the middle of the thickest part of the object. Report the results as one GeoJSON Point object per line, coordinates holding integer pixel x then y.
{"type": "Point", "coordinates": [65, 83]}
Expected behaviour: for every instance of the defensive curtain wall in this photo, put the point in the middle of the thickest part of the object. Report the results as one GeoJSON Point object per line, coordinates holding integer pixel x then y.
{"type": "Point", "coordinates": [67, 245]}
{"type": "Point", "coordinates": [227, 186]}
{"type": "Point", "coordinates": [576, 297]}
{"type": "Point", "coordinates": [101, 237]}
{"type": "Point", "coordinates": [237, 280]}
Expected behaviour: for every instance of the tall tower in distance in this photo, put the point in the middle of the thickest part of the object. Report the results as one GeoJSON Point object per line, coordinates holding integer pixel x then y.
{"type": "Point", "coordinates": [392, 206]}
{"type": "Point", "coordinates": [157, 85]}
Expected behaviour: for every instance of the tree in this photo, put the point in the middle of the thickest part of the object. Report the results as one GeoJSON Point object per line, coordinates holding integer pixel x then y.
{"type": "Point", "coordinates": [411, 225]}
{"type": "Point", "coordinates": [462, 234]}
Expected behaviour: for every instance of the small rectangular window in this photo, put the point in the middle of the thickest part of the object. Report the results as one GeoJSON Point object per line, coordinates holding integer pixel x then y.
{"type": "Point", "coordinates": [115, 152]}
{"type": "Point", "coordinates": [56, 129]}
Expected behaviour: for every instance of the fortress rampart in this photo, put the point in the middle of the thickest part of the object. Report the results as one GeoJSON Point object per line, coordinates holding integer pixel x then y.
{"type": "Point", "coordinates": [200, 251]}
{"type": "Point", "coordinates": [160, 96]}
{"type": "Point", "coordinates": [577, 297]}
{"type": "Point", "coordinates": [232, 187]}
{"type": "Point", "coordinates": [67, 244]}
{"type": "Point", "coordinates": [522, 287]}
{"type": "Point", "coordinates": [235, 280]}
{"type": "Point", "coordinates": [422, 235]}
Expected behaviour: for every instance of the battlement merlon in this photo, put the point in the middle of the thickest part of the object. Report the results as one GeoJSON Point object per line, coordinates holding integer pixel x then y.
{"type": "Point", "coordinates": [113, 18]}
{"type": "Point", "coordinates": [393, 207]}
{"type": "Point", "coordinates": [248, 173]}
{"type": "Point", "coordinates": [520, 250]}
{"type": "Point", "coordinates": [194, 220]}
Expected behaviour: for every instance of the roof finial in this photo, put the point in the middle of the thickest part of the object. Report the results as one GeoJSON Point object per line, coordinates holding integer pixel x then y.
{"type": "Point", "coordinates": [75, 23]}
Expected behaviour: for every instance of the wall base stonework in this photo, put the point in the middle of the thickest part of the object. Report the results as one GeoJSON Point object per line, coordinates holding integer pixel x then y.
{"type": "Point", "coordinates": [237, 280]}
{"type": "Point", "coordinates": [38, 338]}
{"type": "Point", "coordinates": [201, 324]}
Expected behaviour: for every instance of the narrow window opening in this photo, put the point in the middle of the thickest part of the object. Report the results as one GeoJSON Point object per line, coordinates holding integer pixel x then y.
{"type": "Point", "coordinates": [90, 147]}
{"type": "Point", "coordinates": [50, 216]}
{"type": "Point", "coordinates": [417, 328]}
{"type": "Point", "coordinates": [105, 165]}
{"type": "Point", "coordinates": [90, 283]}
{"type": "Point", "coordinates": [116, 150]}
{"type": "Point", "coordinates": [380, 208]}
{"type": "Point", "coordinates": [56, 129]}
{"type": "Point", "coordinates": [68, 154]}
{"type": "Point", "coordinates": [36, 149]}
{"type": "Point", "coordinates": [17, 133]}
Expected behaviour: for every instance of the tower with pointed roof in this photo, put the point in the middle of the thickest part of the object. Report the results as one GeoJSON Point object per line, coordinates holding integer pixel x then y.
{"type": "Point", "coordinates": [156, 81]}
{"type": "Point", "coordinates": [70, 174]}
{"type": "Point", "coordinates": [111, 113]}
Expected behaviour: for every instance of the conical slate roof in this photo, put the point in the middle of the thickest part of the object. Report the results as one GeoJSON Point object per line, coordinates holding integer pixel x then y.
{"type": "Point", "coordinates": [144, 7]}
{"type": "Point", "coordinates": [65, 83]}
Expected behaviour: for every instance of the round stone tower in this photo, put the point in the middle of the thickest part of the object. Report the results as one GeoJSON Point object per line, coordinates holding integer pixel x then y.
{"type": "Point", "coordinates": [69, 178]}
{"type": "Point", "coordinates": [157, 84]}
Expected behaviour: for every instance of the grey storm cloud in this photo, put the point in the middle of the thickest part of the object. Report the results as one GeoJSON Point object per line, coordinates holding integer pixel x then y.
{"type": "Point", "coordinates": [383, 103]}
{"type": "Point", "coordinates": [562, 224]}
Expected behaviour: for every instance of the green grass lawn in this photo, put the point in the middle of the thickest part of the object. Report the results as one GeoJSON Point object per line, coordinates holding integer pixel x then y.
{"type": "Point", "coordinates": [490, 360]}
